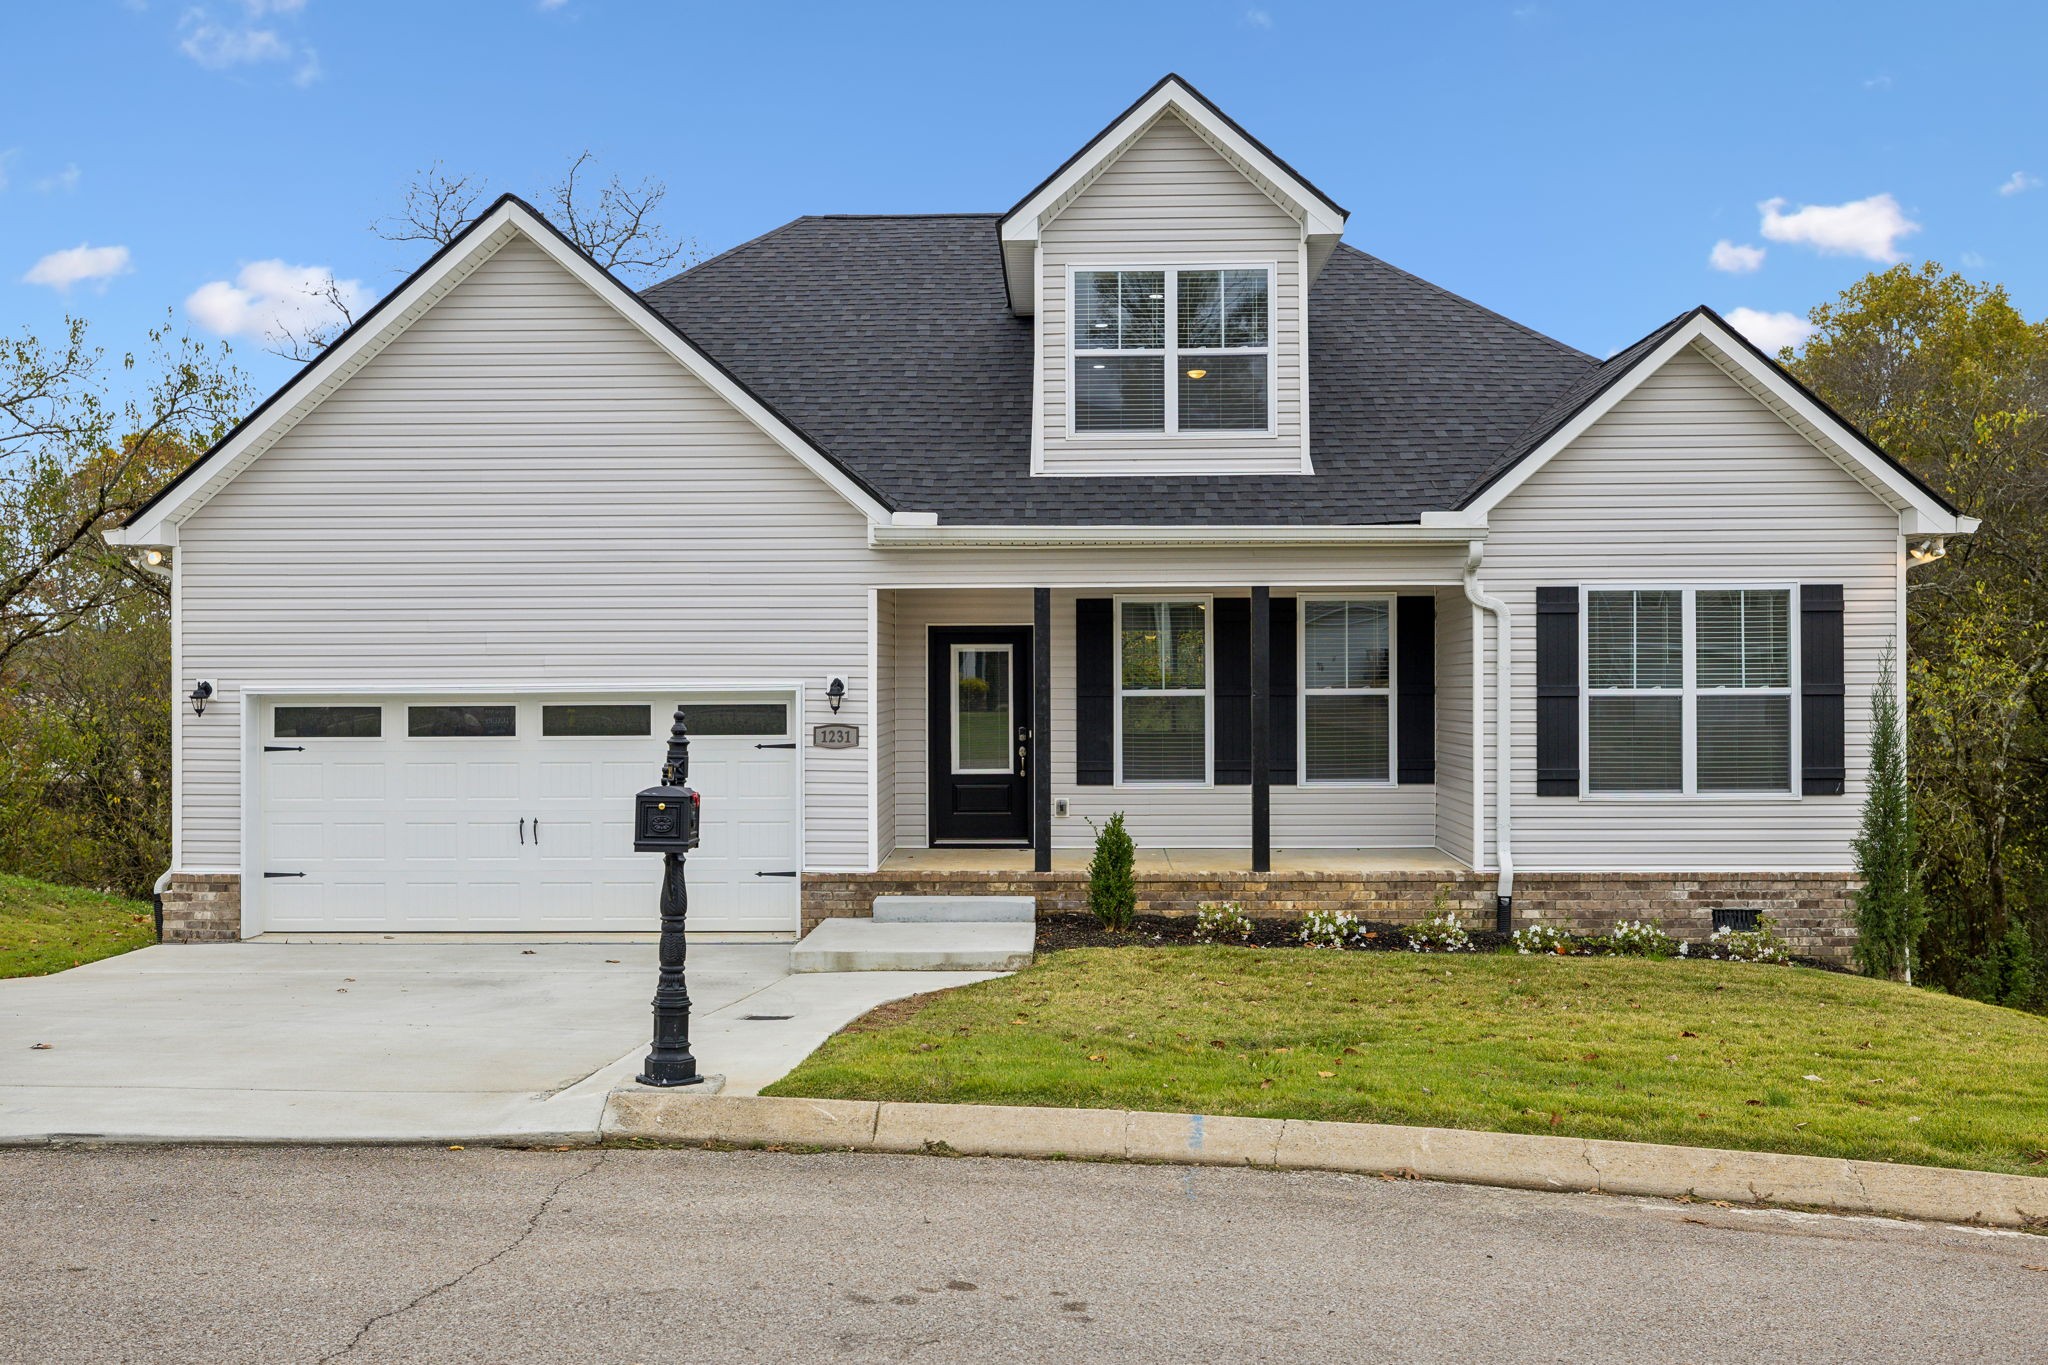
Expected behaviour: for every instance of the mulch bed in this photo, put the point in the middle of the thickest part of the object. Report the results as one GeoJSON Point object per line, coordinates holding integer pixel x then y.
{"type": "Point", "coordinates": [1068, 929]}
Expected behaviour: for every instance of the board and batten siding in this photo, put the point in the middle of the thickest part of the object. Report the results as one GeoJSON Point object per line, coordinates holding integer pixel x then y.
{"type": "Point", "coordinates": [1170, 199]}
{"type": "Point", "coordinates": [1313, 816]}
{"type": "Point", "coordinates": [1691, 480]}
{"type": "Point", "coordinates": [522, 491]}
{"type": "Point", "coordinates": [1454, 700]}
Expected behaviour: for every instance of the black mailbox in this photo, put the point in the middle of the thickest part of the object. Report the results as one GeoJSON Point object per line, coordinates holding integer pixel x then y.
{"type": "Point", "coordinates": [665, 820]}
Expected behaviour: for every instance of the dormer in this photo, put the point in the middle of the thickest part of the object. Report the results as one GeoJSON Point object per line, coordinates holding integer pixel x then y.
{"type": "Point", "coordinates": [1167, 267]}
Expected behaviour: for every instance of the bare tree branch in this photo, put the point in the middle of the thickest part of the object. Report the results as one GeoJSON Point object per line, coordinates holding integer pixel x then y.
{"type": "Point", "coordinates": [310, 339]}
{"type": "Point", "coordinates": [438, 206]}
{"type": "Point", "coordinates": [617, 229]}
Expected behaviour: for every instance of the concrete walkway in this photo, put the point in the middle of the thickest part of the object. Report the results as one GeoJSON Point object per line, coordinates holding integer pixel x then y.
{"type": "Point", "coordinates": [391, 1042]}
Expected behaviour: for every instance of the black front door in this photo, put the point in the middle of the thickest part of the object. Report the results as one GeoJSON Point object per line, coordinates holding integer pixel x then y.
{"type": "Point", "coordinates": [980, 735]}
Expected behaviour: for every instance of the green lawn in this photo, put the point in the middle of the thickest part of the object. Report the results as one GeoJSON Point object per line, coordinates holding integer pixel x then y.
{"type": "Point", "coordinates": [46, 928]}
{"type": "Point", "coordinates": [1781, 1059]}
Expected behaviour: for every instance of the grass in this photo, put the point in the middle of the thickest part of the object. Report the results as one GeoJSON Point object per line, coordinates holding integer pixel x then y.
{"type": "Point", "coordinates": [46, 928]}
{"type": "Point", "coordinates": [1710, 1054]}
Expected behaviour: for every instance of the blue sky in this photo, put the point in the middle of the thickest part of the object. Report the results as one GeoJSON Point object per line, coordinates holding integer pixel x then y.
{"type": "Point", "coordinates": [1572, 165]}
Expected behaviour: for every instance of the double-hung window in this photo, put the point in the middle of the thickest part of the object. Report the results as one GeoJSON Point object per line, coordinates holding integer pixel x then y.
{"type": "Point", "coordinates": [1163, 691]}
{"type": "Point", "coordinates": [1172, 351]}
{"type": "Point", "coordinates": [1347, 671]}
{"type": "Point", "coordinates": [1688, 690]}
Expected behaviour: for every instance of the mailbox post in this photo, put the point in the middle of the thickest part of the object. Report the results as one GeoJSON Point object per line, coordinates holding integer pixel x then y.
{"type": "Point", "coordinates": [665, 822]}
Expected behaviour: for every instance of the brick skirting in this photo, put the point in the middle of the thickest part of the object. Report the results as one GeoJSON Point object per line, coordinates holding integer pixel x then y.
{"type": "Point", "coordinates": [1811, 909]}
{"type": "Point", "coordinates": [203, 908]}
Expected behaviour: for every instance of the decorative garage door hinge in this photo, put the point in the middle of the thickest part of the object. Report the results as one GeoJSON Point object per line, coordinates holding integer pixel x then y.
{"type": "Point", "coordinates": [775, 874]}
{"type": "Point", "coordinates": [284, 748]}
{"type": "Point", "coordinates": [787, 744]}
{"type": "Point", "coordinates": [284, 874]}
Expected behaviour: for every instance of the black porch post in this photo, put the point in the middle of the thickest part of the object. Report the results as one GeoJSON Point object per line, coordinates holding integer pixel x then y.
{"type": "Point", "coordinates": [1041, 729]}
{"type": "Point", "coordinates": [1262, 729]}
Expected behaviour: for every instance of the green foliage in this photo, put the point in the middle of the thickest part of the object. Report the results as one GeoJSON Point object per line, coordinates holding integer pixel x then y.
{"type": "Point", "coordinates": [47, 928]}
{"type": "Point", "coordinates": [1112, 886]}
{"type": "Point", "coordinates": [1639, 938]}
{"type": "Point", "coordinates": [1222, 922]}
{"type": "Point", "coordinates": [2007, 973]}
{"type": "Point", "coordinates": [1890, 914]}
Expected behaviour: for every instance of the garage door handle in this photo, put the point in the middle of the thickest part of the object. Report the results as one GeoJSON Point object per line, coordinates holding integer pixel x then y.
{"type": "Point", "coordinates": [284, 748]}
{"type": "Point", "coordinates": [522, 831]}
{"type": "Point", "coordinates": [790, 744]}
{"type": "Point", "coordinates": [775, 874]}
{"type": "Point", "coordinates": [536, 831]}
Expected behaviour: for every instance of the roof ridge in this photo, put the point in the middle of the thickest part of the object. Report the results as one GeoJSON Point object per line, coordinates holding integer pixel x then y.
{"type": "Point", "coordinates": [753, 241]}
{"type": "Point", "coordinates": [1480, 308]}
{"type": "Point", "coordinates": [961, 213]}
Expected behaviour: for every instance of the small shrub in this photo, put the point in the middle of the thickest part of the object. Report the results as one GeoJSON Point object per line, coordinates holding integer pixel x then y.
{"type": "Point", "coordinates": [1440, 933]}
{"type": "Point", "coordinates": [2008, 971]}
{"type": "Point", "coordinates": [1542, 938]}
{"type": "Point", "coordinates": [1640, 938]}
{"type": "Point", "coordinates": [1328, 929]}
{"type": "Point", "coordinates": [1761, 944]}
{"type": "Point", "coordinates": [1222, 923]}
{"type": "Point", "coordinates": [1112, 887]}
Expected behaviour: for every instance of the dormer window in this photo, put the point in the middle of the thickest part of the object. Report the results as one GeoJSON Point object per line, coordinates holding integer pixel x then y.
{"type": "Point", "coordinates": [1172, 351]}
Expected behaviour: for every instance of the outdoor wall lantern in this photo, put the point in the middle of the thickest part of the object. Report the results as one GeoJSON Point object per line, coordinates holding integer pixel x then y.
{"type": "Point", "coordinates": [835, 693]}
{"type": "Point", "coordinates": [201, 694]}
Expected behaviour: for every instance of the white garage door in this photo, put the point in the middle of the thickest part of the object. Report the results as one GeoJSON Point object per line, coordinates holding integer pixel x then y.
{"type": "Point", "coordinates": [515, 813]}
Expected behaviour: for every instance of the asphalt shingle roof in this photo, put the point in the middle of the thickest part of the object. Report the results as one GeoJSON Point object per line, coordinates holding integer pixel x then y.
{"type": "Point", "coordinates": [889, 341]}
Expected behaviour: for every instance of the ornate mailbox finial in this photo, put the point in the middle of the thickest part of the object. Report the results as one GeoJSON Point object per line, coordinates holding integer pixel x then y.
{"type": "Point", "coordinates": [676, 771]}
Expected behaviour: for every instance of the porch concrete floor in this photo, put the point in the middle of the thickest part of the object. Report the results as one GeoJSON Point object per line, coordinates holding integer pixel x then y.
{"type": "Point", "coordinates": [1180, 861]}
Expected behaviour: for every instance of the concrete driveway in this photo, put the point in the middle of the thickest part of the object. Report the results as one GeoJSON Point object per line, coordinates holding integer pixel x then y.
{"type": "Point", "coordinates": [391, 1042]}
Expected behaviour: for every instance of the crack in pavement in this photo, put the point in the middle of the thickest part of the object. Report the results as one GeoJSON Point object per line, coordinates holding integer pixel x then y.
{"type": "Point", "coordinates": [532, 1225]}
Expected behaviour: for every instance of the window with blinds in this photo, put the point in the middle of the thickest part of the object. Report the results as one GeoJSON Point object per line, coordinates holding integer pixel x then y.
{"type": "Point", "coordinates": [1208, 332]}
{"type": "Point", "coordinates": [1163, 687]}
{"type": "Point", "coordinates": [1711, 715]}
{"type": "Point", "coordinates": [1347, 689]}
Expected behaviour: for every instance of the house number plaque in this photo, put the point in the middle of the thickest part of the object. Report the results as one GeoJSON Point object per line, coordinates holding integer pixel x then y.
{"type": "Point", "coordinates": [835, 736]}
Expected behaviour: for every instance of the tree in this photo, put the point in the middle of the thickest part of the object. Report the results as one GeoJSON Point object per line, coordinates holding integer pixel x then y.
{"type": "Point", "coordinates": [76, 457]}
{"type": "Point", "coordinates": [1948, 377]}
{"type": "Point", "coordinates": [1112, 885]}
{"type": "Point", "coordinates": [1890, 915]}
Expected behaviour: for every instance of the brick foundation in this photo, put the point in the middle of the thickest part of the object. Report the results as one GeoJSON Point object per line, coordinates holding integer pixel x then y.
{"type": "Point", "coordinates": [204, 908]}
{"type": "Point", "coordinates": [1811, 909]}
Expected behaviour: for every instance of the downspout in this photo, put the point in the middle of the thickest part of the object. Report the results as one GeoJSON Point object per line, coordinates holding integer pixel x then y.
{"type": "Point", "coordinates": [1503, 668]}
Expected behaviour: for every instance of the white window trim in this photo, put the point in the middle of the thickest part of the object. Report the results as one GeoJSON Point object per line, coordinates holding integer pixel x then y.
{"type": "Point", "coordinates": [1208, 692]}
{"type": "Point", "coordinates": [953, 685]}
{"type": "Point", "coordinates": [1170, 356]}
{"type": "Point", "coordinates": [1689, 693]}
{"type": "Point", "coordinates": [1390, 692]}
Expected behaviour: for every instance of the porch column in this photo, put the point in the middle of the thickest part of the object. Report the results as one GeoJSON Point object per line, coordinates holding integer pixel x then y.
{"type": "Point", "coordinates": [1262, 729]}
{"type": "Point", "coordinates": [1041, 729]}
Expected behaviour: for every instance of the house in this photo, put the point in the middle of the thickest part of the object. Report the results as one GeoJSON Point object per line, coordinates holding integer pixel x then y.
{"type": "Point", "coordinates": [955, 534]}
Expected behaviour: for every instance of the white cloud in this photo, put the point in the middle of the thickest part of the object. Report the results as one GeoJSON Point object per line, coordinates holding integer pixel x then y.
{"type": "Point", "coordinates": [267, 298]}
{"type": "Point", "coordinates": [62, 269]}
{"type": "Point", "coordinates": [65, 180]}
{"type": "Point", "coordinates": [1869, 228]}
{"type": "Point", "coordinates": [1881, 81]}
{"type": "Point", "coordinates": [1736, 260]}
{"type": "Point", "coordinates": [1259, 18]}
{"type": "Point", "coordinates": [2021, 182]}
{"type": "Point", "coordinates": [219, 44]}
{"type": "Point", "coordinates": [1772, 331]}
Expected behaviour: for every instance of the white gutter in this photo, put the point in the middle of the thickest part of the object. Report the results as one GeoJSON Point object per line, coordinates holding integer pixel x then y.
{"type": "Point", "coordinates": [1503, 667]}
{"type": "Point", "coordinates": [900, 536]}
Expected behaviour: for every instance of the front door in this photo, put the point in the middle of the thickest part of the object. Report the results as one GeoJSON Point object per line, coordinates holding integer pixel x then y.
{"type": "Point", "coordinates": [981, 735]}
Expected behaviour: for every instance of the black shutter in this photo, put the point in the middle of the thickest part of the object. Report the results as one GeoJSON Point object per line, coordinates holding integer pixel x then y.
{"type": "Point", "coordinates": [1415, 657]}
{"type": "Point", "coordinates": [1822, 761]}
{"type": "Point", "coordinates": [1232, 677]}
{"type": "Point", "coordinates": [1286, 692]}
{"type": "Point", "coordinates": [1094, 692]}
{"type": "Point", "coordinates": [1557, 691]}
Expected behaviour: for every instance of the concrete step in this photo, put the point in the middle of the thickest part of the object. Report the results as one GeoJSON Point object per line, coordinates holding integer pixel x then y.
{"type": "Point", "coordinates": [956, 909]}
{"type": "Point", "coordinates": [865, 945]}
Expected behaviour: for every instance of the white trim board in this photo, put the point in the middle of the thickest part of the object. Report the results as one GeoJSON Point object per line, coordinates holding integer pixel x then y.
{"type": "Point", "coordinates": [157, 524]}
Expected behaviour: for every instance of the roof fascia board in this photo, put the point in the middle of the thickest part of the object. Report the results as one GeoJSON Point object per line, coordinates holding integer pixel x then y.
{"type": "Point", "coordinates": [1834, 438]}
{"type": "Point", "coordinates": [900, 537]}
{"type": "Point", "coordinates": [407, 304]}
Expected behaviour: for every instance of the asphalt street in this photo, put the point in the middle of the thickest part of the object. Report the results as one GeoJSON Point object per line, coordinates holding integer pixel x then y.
{"type": "Point", "coordinates": [430, 1254]}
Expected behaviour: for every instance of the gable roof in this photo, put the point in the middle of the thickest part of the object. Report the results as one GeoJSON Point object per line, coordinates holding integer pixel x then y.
{"type": "Point", "coordinates": [889, 339]}
{"type": "Point", "coordinates": [1321, 217]}
{"type": "Point", "coordinates": [156, 520]}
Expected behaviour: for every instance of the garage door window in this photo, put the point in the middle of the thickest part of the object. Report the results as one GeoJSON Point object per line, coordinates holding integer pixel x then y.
{"type": "Point", "coordinates": [460, 722]}
{"type": "Point", "coordinates": [328, 722]}
{"type": "Point", "coordinates": [740, 719]}
{"type": "Point", "coordinates": [591, 722]}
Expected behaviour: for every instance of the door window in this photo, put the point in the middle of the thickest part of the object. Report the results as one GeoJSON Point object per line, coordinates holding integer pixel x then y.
{"type": "Point", "coordinates": [981, 708]}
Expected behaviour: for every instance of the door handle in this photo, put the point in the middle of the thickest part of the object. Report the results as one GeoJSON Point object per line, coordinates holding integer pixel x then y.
{"type": "Point", "coordinates": [536, 831]}
{"type": "Point", "coordinates": [522, 831]}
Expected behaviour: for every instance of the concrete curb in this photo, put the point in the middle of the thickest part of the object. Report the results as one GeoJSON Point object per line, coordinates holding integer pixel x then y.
{"type": "Point", "coordinates": [1517, 1160]}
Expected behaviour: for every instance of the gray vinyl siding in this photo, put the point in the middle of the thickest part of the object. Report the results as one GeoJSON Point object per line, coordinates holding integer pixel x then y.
{"type": "Point", "coordinates": [1691, 480]}
{"type": "Point", "coordinates": [1158, 817]}
{"type": "Point", "coordinates": [522, 490]}
{"type": "Point", "coordinates": [1454, 750]}
{"type": "Point", "coordinates": [1171, 198]}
